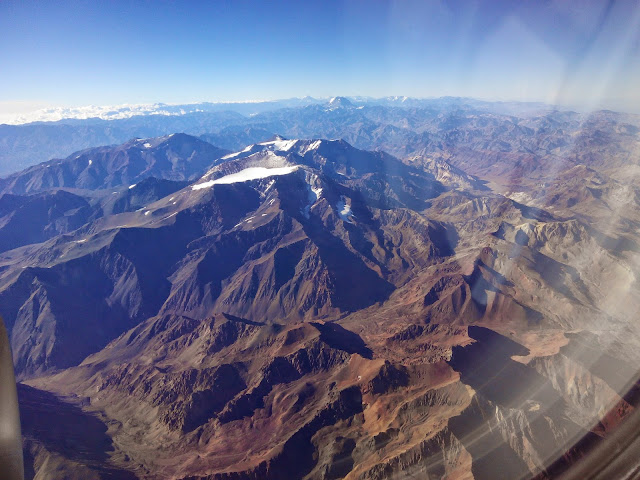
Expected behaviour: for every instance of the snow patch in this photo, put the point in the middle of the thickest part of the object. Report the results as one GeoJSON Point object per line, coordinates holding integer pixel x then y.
{"type": "Point", "coordinates": [147, 213]}
{"type": "Point", "coordinates": [147, 145]}
{"type": "Point", "coordinates": [317, 192]}
{"type": "Point", "coordinates": [132, 186]}
{"type": "Point", "coordinates": [520, 197]}
{"type": "Point", "coordinates": [90, 162]}
{"type": "Point", "coordinates": [269, 185]}
{"type": "Point", "coordinates": [265, 157]}
{"type": "Point", "coordinates": [312, 146]}
{"type": "Point", "coordinates": [251, 173]}
{"type": "Point", "coordinates": [344, 210]}
{"type": "Point", "coordinates": [267, 188]}
{"type": "Point", "coordinates": [280, 145]}
{"type": "Point", "coordinates": [235, 154]}
{"type": "Point", "coordinates": [314, 192]}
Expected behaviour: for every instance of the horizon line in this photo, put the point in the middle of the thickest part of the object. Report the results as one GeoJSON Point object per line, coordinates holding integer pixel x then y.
{"type": "Point", "coordinates": [118, 111]}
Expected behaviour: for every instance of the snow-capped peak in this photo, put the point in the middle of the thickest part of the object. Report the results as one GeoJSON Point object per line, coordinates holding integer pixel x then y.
{"type": "Point", "coordinates": [310, 147]}
{"type": "Point", "coordinates": [340, 102]}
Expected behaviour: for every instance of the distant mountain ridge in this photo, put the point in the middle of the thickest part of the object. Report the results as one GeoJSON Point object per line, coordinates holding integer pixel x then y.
{"type": "Point", "coordinates": [27, 144]}
{"type": "Point", "coordinates": [172, 157]}
{"type": "Point", "coordinates": [249, 107]}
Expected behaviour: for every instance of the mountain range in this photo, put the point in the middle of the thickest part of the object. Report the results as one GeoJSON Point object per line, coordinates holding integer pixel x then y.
{"type": "Point", "coordinates": [440, 290]}
{"type": "Point", "coordinates": [401, 125]}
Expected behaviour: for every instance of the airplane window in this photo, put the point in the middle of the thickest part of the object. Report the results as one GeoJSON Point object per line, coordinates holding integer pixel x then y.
{"type": "Point", "coordinates": [319, 240]}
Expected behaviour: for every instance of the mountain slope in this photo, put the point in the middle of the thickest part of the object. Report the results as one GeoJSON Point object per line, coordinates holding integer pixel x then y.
{"type": "Point", "coordinates": [34, 219]}
{"type": "Point", "coordinates": [305, 309]}
{"type": "Point", "coordinates": [283, 247]}
{"type": "Point", "coordinates": [173, 157]}
{"type": "Point", "coordinates": [22, 146]}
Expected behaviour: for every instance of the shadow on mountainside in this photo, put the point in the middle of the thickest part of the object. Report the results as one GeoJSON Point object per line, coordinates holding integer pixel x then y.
{"type": "Point", "coordinates": [66, 430]}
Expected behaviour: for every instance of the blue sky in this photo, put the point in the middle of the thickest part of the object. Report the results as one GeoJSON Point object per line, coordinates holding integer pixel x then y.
{"type": "Point", "coordinates": [71, 53]}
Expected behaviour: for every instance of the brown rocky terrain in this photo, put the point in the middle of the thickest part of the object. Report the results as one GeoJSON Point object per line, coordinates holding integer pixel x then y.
{"type": "Point", "coordinates": [309, 310]}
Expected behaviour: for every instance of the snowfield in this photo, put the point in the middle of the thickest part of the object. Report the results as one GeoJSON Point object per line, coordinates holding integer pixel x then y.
{"type": "Point", "coordinates": [252, 173]}
{"type": "Point", "coordinates": [344, 211]}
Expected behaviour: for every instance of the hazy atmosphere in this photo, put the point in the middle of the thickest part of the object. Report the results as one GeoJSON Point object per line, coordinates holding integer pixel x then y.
{"type": "Point", "coordinates": [53, 54]}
